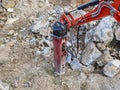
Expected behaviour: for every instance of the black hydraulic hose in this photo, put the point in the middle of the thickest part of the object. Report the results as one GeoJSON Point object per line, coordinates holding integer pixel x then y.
{"type": "Point", "coordinates": [92, 3]}
{"type": "Point", "coordinates": [83, 6]}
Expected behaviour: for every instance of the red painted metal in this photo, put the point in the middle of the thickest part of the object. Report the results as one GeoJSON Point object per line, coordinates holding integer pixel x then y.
{"type": "Point", "coordinates": [59, 54]}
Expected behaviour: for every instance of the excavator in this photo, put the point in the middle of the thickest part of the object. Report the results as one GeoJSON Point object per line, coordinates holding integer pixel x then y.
{"type": "Point", "coordinates": [66, 21]}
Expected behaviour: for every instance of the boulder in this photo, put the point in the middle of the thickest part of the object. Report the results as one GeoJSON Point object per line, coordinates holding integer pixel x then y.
{"type": "Point", "coordinates": [112, 68]}
{"type": "Point", "coordinates": [90, 54]}
{"type": "Point", "coordinates": [102, 33]}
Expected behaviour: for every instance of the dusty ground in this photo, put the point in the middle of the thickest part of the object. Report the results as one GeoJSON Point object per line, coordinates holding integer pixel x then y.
{"type": "Point", "coordinates": [22, 70]}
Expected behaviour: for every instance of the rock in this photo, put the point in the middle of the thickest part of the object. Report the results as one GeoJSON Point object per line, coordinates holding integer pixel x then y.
{"type": "Point", "coordinates": [90, 54]}
{"type": "Point", "coordinates": [15, 84]}
{"type": "Point", "coordinates": [89, 36]}
{"type": "Point", "coordinates": [8, 3]}
{"type": "Point", "coordinates": [117, 34]}
{"type": "Point", "coordinates": [4, 86]}
{"type": "Point", "coordinates": [38, 53]}
{"type": "Point", "coordinates": [41, 28]}
{"type": "Point", "coordinates": [28, 84]}
{"type": "Point", "coordinates": [102, 33]}
{"type": "Point", "coordinates": [59, 10]}
{"type": "Point", "coordinates": [112, 68]}
{"type": "Point", "coordinates": [1, 8]}
{"type": "Point", "coordinates": [33, 42]}
{"type": "Point", "coordinates": [51, 12]}
{"type": "Point", "coordinates": [10, 10]}
{"type": "Point", "coordinates": [46, 51]}
{"type": "Point", "coordinates": [68, 44]}
{"type": "Point", "coordinates": [11, 32]}
{"type": "Point", "coordinates": [68, 59]}
{"type": "Point", "coordinates": [75, 64]}
{"type": "Point", "coordinates": [114, 53]}
{"type": "Point", "coordinates": [101, 46]}
{"type": "Point", "coordinates": [104, 59]}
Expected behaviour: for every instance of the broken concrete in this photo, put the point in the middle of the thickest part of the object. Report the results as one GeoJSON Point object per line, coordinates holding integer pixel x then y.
{"type": "Point", "coordinates": [90, 54]}
{"type": "Point", "coordinates": [104, 59]}
{"type": "Point", "coordinates": [75, 64]}
{"type": "Point", "coordinates": [112, 68]}
{"type": "Point", "coordinates": [102, 33]}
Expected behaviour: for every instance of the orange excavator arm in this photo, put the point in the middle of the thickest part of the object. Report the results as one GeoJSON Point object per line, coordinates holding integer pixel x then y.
{"type": "Point", "coordinates": [103, 9]}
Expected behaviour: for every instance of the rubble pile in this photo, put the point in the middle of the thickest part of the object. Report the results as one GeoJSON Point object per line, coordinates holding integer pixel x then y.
{"type": "Point", "coordinates": [99, 50]}
{"type": "Point", "coordinates": [26, 47]}
{"type": "Point", "coordinates": [98, 37]}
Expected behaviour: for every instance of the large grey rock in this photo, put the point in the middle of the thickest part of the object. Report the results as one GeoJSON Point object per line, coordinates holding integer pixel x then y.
{"type": "Point", "coordinates": [117, 34]}
{"type": "Point", "coordinates": [102, 33]}
{"type": "Point", "coordinates": [90, 54]}
{"type": "Point", "coordinates": [112, 68]}
{"type": "Point", "coordinates": [4, 86]}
